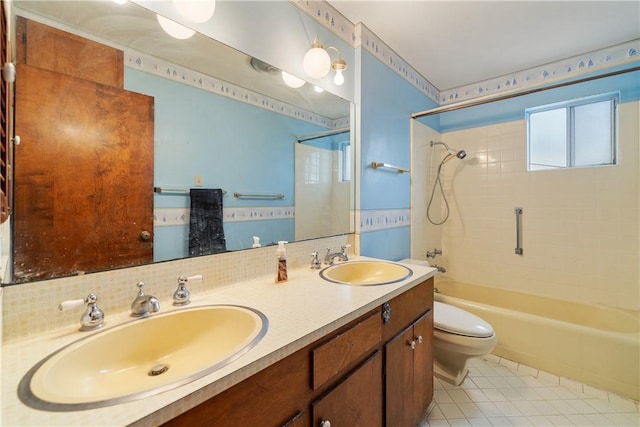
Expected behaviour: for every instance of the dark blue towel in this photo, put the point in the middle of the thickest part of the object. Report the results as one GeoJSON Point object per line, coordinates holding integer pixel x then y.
{"type": "Point", "coordinates": [206, 231]}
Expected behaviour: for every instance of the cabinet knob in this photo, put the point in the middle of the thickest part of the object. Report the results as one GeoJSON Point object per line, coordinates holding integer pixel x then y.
{"type": "Point", "coordinates": [325, 423]}
{"type": "Point", "coordinates": [412, 343]}
{"type": "Point", "coordinates": [419, 339]}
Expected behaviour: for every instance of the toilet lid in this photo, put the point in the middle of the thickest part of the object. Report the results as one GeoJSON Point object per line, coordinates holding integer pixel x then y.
{"type": "Point", "coordinates": [454, 320]}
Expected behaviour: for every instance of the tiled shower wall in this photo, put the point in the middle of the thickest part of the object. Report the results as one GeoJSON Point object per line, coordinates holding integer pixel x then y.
{"type": "Point", "coordinates": [580, 226]}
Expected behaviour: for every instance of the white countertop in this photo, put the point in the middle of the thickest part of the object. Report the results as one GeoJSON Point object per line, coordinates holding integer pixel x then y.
{"type": "Point", "coordinates": [299, 311]}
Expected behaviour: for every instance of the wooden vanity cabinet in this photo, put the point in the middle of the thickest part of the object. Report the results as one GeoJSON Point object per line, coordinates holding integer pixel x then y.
{"type": "Point", "coordinates": [359, 375]}
{"type": "Point", "coordinates": [356, 401]}
{"type": "Point", "coordinates": [409, 373]}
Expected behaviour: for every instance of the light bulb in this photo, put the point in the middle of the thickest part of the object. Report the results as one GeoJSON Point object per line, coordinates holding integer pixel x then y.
{"type": "Point", "coordinates": [195, 10]}
{"type": "Point", "coordinates": [292, 81]}
{"type": "Point", "coordinates": [338, 79]}
{"type": "Point", "coordinates": [316, 62]}
{"type": "Point", "coordinates": [174, 29]}
{"type": "Point", "coordinates": [318, 89]}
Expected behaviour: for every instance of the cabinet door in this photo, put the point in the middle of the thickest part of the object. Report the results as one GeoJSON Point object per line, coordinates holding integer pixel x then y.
{"type": "Point", "coordinates": [356, 401]}
{"type": "Point", "coordinates": [423, 365]}
{"type": "Point", "coordinates": [399, 380]}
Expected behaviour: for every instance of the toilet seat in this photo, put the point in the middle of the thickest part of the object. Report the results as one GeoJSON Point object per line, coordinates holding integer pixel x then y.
{"type": "Point", "coordinates": [454, 320]}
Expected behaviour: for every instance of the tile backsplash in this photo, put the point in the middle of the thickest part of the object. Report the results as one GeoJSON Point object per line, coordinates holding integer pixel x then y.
{"type": "Point", "coordinates": [31, 308]}
{"type": "Point", "coordinates": [580, 226]}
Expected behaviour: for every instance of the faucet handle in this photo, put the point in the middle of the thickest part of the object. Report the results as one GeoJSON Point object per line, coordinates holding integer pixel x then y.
{"type": "Point", "coordinates": [315, 261]}
{"type": "Point", "coordinates": [344, 251]}
{"type": "Point", "coordinates": [140, 285]}
{"type": "Point", "coordinates": [92, 318]}
{"type": "Point", "coordinates": [182, 296]}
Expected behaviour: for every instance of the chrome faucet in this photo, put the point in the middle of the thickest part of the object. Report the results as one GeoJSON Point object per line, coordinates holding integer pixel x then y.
{"type": "Point", "coordinates": [315, 261]}
{"type": "Point", "coordinates": [92, 318]}
{"type": "Point", "coordinates": [439, 268]}
{"type": "Point", "coordinates": [182, 296]}
{"type": "Point", "coordinates": [143, 305]}
{"type": "Point", "coordinates": [342, 255]}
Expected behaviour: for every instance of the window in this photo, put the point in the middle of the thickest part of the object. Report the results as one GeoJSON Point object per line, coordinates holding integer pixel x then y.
{"type": "Point", "coordinates": [344, 162]}
{"type": "Point", "coordinates": [572, 134]}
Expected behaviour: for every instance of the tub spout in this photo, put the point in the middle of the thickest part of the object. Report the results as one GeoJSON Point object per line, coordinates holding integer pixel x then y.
{"type": "Point", "coordinates": [439, 268]}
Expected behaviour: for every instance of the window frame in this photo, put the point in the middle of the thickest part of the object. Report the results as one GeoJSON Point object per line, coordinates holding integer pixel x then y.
{"type": "Point", "coordinates": [570, 148]}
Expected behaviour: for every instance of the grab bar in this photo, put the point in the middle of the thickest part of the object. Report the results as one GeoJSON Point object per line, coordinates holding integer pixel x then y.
{"type": "Point", "coordinates": [259, 196]}
{"type": "Point", "coordinates": [377, 165]}
{"type": "Point", "coordinates": [518, 212]}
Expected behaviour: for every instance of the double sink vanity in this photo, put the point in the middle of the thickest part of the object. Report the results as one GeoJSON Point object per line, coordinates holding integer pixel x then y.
{"type": "Point", "coordinates": [346, 345]}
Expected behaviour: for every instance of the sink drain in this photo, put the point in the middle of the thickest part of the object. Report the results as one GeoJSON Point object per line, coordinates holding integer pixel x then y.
{"type": "Point", "coordinates": [158, 370]}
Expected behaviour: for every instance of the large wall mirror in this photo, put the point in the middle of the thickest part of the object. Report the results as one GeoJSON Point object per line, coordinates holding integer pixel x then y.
{"type": "Point", "coordinates": [210, 145]}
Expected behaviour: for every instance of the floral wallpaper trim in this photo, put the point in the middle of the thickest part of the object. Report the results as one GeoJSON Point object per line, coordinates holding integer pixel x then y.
{"type": "Point", "coordinates": [161, 68]}
{"type": "Point", "coordinates": [374, 220]}
{"type": "Point", "coordinates": [566, 68]}
{"type": "Point", "coordinates": [386, 55]}
{"type": "Point", "coordinates": [359, 35]}
{"type": "Point", "coordinates": [165, 217]}
{"type": "Point", "coordinates": [330, 18]}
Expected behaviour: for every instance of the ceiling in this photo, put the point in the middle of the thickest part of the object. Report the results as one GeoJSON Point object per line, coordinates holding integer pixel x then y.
{"type": "Point", "coordinates": [455, 43]}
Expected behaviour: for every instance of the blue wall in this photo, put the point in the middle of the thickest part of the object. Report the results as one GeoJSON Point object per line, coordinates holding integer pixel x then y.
{"type": "Point", "coordinates": [233, 145]}
{"type": "Point", "coordinates": [386, 101]}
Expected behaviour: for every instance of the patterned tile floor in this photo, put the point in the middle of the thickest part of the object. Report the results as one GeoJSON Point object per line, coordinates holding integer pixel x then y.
{"type": "Point", "coordinates": [499, 392]}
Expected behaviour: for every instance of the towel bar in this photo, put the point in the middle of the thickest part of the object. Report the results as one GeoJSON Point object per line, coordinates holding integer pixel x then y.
{"type": "Point", "coordinates": [259, 196]}
{"type": "Point", "coordinates": [185, 191]}
{"type": "Point", "coordinates": [377, 165]}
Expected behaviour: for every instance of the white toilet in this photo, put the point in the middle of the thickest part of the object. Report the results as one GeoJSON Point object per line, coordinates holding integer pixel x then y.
{"type": "Point", "coordinates": [457, 337]}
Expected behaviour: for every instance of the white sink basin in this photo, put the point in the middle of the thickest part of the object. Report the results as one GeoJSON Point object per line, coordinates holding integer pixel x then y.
{"type": "Point", "coordinates": [142, 357]}
{"type": "Point", "coordinates": [366, 273]}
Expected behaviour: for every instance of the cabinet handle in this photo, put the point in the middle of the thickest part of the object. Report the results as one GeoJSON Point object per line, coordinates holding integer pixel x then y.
{"type": "Point", "coordinates": [325, 423]}
{"type": "Point", "coordinates": [419, 339]}
{"type": "Point", "coordinates": [412, 344]}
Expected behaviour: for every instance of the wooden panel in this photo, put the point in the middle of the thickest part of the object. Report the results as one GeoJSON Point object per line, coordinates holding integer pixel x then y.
{"type": "Point", "coordinates": [45, 47]}
{"type": "Point", "coordinates": [399, 380]}
{"type": "Point", "coordinates": [334, 356]}
{"type": "Point", "coordinates": [84, 176]}
{"type": "Point", "coordinates": [355, 402]}
{"type": "Point", "coordinates": [268, 398]}
{"type": "Point", "coordinates": [407, 307]}
{"type": "Point", "coordinates": [423, 365]}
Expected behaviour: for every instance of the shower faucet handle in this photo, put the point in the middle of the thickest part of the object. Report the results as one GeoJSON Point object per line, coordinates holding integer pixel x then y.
{"type": "Point", "coordinates": [435, 252]}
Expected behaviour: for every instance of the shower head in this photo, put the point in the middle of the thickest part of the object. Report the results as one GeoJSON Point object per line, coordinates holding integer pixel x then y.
{"type": "Point", "coordinates": [461, 154]}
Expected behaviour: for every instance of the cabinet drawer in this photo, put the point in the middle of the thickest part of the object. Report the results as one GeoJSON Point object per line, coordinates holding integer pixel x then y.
{"type": "Point", "coordinates": [334, 356]}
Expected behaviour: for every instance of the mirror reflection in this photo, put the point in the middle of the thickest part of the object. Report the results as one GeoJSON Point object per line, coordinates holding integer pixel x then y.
{"type": "Point", "coordinates": [193, 148]}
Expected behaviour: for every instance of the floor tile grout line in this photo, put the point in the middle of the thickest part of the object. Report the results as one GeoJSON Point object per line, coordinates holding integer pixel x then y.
{"type": "Point", "coordinates": [525, 396]}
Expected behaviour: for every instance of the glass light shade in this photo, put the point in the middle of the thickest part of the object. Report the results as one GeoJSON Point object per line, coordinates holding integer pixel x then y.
{"type": "Point", "coordinates": [292, 81]}
{"type": "Point", "coordinates": [174, 29]}
{"type": "Point", "coordinates": [195, 10]}
{"type": "Point", "coordinates": [339, 78]}
{"type": "Point", "coordinates": [316, 63]}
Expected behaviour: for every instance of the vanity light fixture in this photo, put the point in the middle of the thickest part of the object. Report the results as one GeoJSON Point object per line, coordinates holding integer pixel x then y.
{"type": "Point", "coordinates": [317, 62]}
{"type": "Point", "coordinates": [175, 30]}
{"type": "Point", "coordinates": [292, 81]}
{"type": "Point", "coordinates": [197, 11]}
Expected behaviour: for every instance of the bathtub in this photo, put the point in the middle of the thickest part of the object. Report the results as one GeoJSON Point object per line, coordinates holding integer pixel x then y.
{"type": "Point", "coordinates": [595, 345]}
